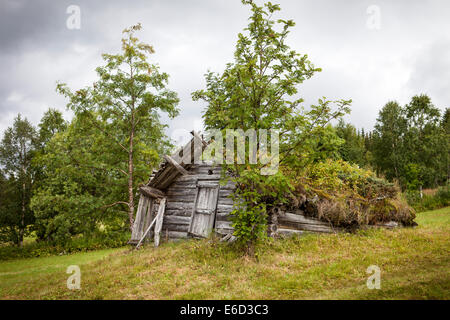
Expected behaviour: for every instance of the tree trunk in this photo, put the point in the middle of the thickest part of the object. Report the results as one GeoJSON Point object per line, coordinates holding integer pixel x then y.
{"type": "Point", "coordinates": [130, 190]}
{"type": "Point", "coordinates": [22, 221]}
{"type": "Point", "coordinates": [130, 180]}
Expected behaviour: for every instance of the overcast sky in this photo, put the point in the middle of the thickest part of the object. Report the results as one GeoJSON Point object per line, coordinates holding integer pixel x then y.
{"type": "Point", "coordinates": [370, 51]}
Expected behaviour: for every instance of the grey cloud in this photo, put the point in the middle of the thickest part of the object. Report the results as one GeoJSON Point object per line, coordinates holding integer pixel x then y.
{"type": "Point", "coordinates": [431, 73]}
{"type": "Point", "coordinates": [407, 55]}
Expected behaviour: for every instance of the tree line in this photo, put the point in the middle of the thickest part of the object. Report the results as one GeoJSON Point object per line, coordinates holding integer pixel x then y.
{"type": "Point", "coordinates": [409, 144]}
{"type": "Point", "coordinates": [79, 177]}
{"type": "Point", "coordinates": [65, 179]}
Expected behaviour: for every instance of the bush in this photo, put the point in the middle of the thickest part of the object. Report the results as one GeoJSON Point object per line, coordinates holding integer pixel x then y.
{"type": "Point", "coordinates": [253, 194]}
{"type": "Point", "coordinates": [440, 199]}
{"type": "Point", "coordinates": [78, 244]}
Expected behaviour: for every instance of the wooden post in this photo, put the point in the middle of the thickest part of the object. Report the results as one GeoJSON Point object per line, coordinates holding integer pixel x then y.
{"type": "Point", "coordinates": [177, 166]}
{"type": "Point", "coordinates": [159, 221]}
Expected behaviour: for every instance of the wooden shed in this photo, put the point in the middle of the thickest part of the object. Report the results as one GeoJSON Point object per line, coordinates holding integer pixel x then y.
{"type": "Point", "coordinates": [184, 199]}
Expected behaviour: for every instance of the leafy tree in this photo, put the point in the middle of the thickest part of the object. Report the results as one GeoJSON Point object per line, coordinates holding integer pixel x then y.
{"type": "Point", "coordinates": [123, 106]}
{"type": "Point", "coordinates": [16, 152]}
{"type": "Point", "coordinates": [445, 124]}
{"type": "Point", "coordinates": [425, 141]}
{"type": "Point", "coordinates": [410, 144]}
{"type": "Point", "coordinates": [79, 182]}
{"type": "Point", "coordinates": [388, 138]}
{"type": "Point", "coordinates": [353, 149]}
{"type": "Point", "coordinates": [9, 208]}
{"type": "Point", "coordinates": [51, 123]}
{"type": "Point", "coordinates": [259, 90]}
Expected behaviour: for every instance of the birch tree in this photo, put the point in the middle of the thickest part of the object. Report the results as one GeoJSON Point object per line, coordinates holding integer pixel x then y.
{"type": "Point", "coordinates": [126, 100]}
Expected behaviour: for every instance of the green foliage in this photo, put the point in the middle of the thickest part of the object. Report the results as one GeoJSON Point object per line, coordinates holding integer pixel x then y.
{"type": "Point", "coordinates": [16, 151]}
{"type": "Point", "coordinates": [254, 193]}
{"type": "Point", "coordinates": [388, 144]}
{"type": "Point", "coordinates": [76, 244]}
{"type": "Point", "coordinates": [410, 144]}
{"type": "Point", "coordinates": [80, 181]}
{"type": "Point", "coordinates": [51, 123]}
{"type": "Point", "coordinates": [440, 199]}
{"type": "Point", "coordinates": [124, 106]}
{"type": "Point", "coordinates": [259, 90]}
{"type": "Point", "coordinates": [353, 149]}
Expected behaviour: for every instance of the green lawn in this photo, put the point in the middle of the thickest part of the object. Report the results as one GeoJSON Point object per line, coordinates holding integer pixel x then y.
{"type": "Point", "coordinates": [414, 263]}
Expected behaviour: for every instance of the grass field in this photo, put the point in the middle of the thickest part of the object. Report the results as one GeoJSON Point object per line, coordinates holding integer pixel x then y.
{"type": "Point", "coordinates": [414, 263]}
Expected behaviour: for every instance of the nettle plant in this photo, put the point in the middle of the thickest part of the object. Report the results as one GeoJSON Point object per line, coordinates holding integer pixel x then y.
{"type": "Point", "coordinates": [259, 90]}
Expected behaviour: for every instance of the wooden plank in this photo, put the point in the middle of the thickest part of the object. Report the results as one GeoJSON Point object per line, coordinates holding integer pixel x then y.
{"type": "Point", "coordinates": [151, 192]}
{"type": "Point", "coordinates": [182, 199]}
{"type": "Point", "coordinates": [174, 227]}
{"type": "Point", "coordinates": [176, 165]}
{"type": "Point", "coordinates": [204, 211]}
{"type": "Point", "coordinates": [171, 192]}
{"type": "Point", "coordinates": [149, 216]}
{"type": "Point", "coordinates": [193, 210]}
{"type": "Point", "coordinates": [301, 219]}
{"type": "Point", "coordinates": [177, 220]}
{"type": "Point", "coordinates": [223, 216]}
{"type": "Point", "coordinates": [205, 169]}
{"type": "Point", "coordinates": [145, 233]}
{"type": "Point", "coordinates": [226, 201]}
{"type": "Point", "coordinates": [206, 202]}
{"type": "Point", "coordinates": [136, 232]}
{"type": "Point", "coordinates": [180, 213]}
{"type": "Point", "coordinates": [207, 184]}
{"type": "Point", "coordinates": [177, 235]}
{"type": "Point", "coordinates": [159, 221]}
{"type": "Point", "coordinates": [306, 227]}
{"type": "Point", "coordinates": [174, 173]}
{"type": "Point", "coordinates": [225, 207]}
{"type": "Point", "coordinates": [224, 225]}
{"type": "Point", "coordinates": [179, 205]}
{"type": "Point", "coordinates": [199, 177]}
{"type": "Point", "coordinates": [289, 232]}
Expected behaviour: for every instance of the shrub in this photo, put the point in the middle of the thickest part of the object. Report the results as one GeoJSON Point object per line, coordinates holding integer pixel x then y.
{"type": "Point", "coordinates": [253, 194]}
{"type": "Point", "coordinates": [77, 244]}
{"type": "Point", "coordinates": [432, 201]}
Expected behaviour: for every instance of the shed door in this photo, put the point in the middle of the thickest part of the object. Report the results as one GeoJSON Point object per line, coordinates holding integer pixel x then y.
{"type": "Point", "coordinates": [204, 211]}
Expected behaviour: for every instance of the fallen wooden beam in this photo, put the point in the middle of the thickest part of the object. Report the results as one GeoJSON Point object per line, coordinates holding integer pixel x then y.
{"type": "Point", "coordinates": [301, 222]}
{"type": "Point", "coordinates": [151, 192]}
{"type": "Point", "coordinates": [177, 166]}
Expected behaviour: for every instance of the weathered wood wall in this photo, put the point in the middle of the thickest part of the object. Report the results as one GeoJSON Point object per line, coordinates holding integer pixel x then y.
{"type": "Point", "coordinates": [296, 222]}
{"type": "Point", "coordinates": [181, 197]}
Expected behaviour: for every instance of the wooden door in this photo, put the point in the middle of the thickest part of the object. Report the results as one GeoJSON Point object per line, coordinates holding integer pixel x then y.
{"type": "Point", "coordinates": [143, 218]}
{"type": "Point", "coordinates": [204, 211]}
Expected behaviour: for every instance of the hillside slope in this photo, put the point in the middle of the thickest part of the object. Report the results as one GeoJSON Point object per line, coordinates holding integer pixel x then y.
{"type": "Point", "coordinates": [414, 262]}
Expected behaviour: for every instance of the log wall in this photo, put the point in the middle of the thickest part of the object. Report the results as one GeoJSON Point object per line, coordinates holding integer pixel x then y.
{"type": "Point", "coordinates": [181, 196]}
